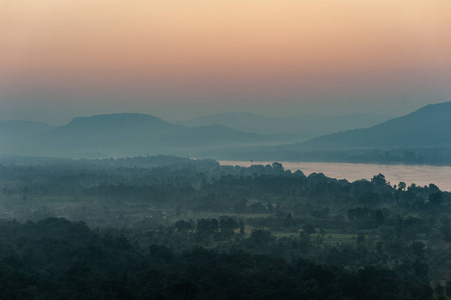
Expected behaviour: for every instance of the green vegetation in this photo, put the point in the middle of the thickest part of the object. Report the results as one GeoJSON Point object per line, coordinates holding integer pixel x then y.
{"type": "Point", "coordinates": [174, 228]}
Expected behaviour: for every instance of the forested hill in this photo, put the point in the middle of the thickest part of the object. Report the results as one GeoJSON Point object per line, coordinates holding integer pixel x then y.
{"type": "Point", "coordinates": [426, 127]}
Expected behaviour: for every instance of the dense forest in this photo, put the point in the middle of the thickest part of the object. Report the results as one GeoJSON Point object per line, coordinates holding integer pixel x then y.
{"type": "Point", "coordinates": [175, 228]}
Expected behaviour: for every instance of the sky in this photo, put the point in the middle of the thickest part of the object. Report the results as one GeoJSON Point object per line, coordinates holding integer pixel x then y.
{"type": "Point", "coordinates": [178, 59]}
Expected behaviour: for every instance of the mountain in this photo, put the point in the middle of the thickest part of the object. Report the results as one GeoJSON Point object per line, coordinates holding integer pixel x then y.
{"type": "Point", "coordinates": [111, 129]}
{"type": "Point", "coordinates": [421, 137]}
{"type": "Point", "coordinates": [333, 123]}
{"type": "Point", "coordinates": [243, 121]}
{"type": "Point", "coordinates": [115, 123]}
{"type": "Point", "coordinates": [15, 129]}
{"type": "Point", "coordinates": [427, 127]}
{"type": "Point", "coordinates": [297, 128]}
{"type": "Point", "coordinates": [119, 135]}
{"type": "Point", "coordinates": [129, 134]}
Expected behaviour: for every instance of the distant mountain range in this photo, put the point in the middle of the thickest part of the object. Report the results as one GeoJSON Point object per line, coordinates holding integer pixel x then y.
{"type": "Point", "coordinates": [295, 128]}
{"type": "Point", "coordinates": [119, 135]}
{"type": "Point", "coordinates": [427, 127]}
{"type": "Point", "coordinates": [421, 137]}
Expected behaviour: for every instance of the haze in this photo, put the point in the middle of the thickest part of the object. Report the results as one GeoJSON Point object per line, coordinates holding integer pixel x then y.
{"type": "Point", "coordinates": [184, 149]}
{"type": "Point", "coordinates": [179, 59]}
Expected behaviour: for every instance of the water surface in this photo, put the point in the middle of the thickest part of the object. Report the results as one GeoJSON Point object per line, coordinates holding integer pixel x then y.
{"type": "Point", "coordinates": [419, 174]}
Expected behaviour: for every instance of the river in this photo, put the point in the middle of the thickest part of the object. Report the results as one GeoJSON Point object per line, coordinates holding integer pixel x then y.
{"type": "Point", "coordinates": [419, 174]}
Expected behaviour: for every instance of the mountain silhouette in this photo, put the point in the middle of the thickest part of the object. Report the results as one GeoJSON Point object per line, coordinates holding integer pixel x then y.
{"type": "Point", "coordinates": [129, 134]}
{"type": "Point", "coordinates": [430, 126]}
{"type": "Point", "coordinates": [289, 129]}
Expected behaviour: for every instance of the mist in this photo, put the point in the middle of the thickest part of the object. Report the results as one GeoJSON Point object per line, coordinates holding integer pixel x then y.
{"type": "Point", "coordinates": [225, 149]}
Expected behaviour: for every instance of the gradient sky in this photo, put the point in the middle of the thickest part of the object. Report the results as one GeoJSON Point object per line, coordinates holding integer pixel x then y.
{"type": "Point", "coordinates": [182, 58]}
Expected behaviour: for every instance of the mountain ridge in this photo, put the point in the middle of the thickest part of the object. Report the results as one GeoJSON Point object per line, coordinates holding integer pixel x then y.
{"type": "Point", "coordinates": [128, 134]}
{"type": "Point", "coordinates": [427, 126]}
{"type": "Point", "coordinates": [300, 127]}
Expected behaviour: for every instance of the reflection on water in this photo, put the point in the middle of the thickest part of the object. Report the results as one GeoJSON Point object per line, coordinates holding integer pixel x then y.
{"type": "Point", "coordinates": [419, 174]}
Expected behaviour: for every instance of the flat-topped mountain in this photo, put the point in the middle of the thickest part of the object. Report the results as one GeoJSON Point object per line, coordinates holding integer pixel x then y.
{"type": "Point", "coordinates": [127, 134]}
{"type": "Point", "coordinates": [116, 122]}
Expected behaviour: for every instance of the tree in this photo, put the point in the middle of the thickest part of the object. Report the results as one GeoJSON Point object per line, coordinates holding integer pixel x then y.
{"type": "Point", "coordinates": [421, 269]}
{"type": "Point", "coordinates": [418, 249]}
{"type": "Point", "coordinates": [203, 226]}
{"type": "Point", "coordinates": [448, 288]}
{"type": "Point", "coordinates": [379, 180]}
{"type": "Point", "coordinates": [261, 236]}
{"type": "Point", "coordinates": [436, 198]}
{"type": "Point", "coordinates": [360, 238]}
{"type": "Point", "coordinates": [278, 168]}
{"type": "Point", "coordinates": [161, 253]}
{"type": "Point", "coordinates": [433, 188]}
{"type": "Point", "coordinates": [182, 225]}
{"type": "Point", "coordinates": [241, 227]}
{"type": "Point", "coordinates": [379, 216]}
{"type": "Point", "coordinates": [214, 225]}
{"type": "Point", "coordinates": [439, 289]}
{"type": "Point", "coordinates": [240, 206]}
{"type": "Point", "coordinates": [186, 290]}
{"type": "Point", "coordinates": [308, 229]}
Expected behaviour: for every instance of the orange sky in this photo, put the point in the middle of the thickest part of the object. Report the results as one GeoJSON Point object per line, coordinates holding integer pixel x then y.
{"type": "Point", "coordinates": [57, 43]}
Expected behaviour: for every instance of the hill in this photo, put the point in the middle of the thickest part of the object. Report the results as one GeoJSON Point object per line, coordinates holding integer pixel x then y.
{"type": "Point", "coordinates": [128, 134]}
{"type": "Point", "coordinates": [427, 127]}
{"type": "Point", "coordinates": [296, 128]}
{"type": "Point", "coordinates": [421, 137]}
